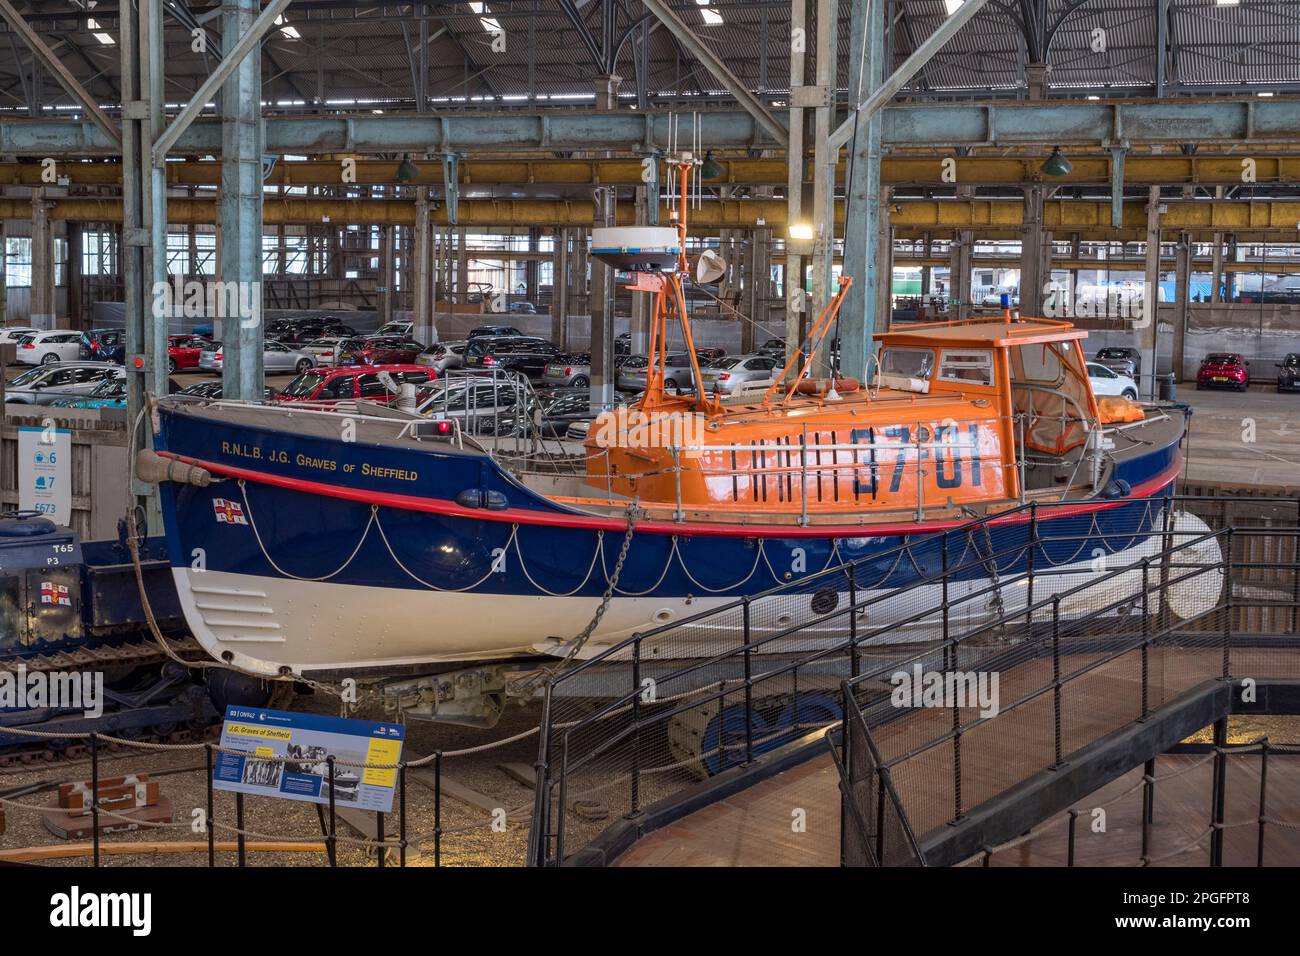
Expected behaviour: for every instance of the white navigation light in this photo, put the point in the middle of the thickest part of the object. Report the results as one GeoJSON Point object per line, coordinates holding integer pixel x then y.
{"type": "Point", "coordinates": [637, 248]}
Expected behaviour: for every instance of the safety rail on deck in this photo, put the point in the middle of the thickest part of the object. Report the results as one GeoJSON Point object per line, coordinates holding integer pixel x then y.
{"type": "Point", "coordinates": [1081, 663]}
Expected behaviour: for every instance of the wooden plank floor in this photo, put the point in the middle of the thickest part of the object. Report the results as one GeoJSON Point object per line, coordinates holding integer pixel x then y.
{"type": "Point", "coordinates": [756, 827]}
{"type": "Point", "coordinates": [753, 828]}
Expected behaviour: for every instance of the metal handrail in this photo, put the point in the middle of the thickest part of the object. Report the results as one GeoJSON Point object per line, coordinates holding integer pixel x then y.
{"type": "Point", "coordinates": [732, 688]}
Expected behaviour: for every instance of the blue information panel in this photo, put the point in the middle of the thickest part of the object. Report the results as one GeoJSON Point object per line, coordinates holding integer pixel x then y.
{"type": "Point", "coordinates": [308, 739]}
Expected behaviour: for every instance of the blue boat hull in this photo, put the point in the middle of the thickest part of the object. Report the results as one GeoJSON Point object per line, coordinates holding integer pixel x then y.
{"type": "Point", "coordinates": [312, 553]}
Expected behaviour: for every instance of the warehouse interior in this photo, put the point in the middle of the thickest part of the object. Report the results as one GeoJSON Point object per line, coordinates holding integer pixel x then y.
{"type": "Point", "coordinates": [420, 159]}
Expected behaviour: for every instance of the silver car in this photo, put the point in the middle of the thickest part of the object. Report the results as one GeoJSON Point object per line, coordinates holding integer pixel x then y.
{"type": "Point", "coordinates": [325, 350]}
{"type": "Point", "coordinates": [677, 373]}
{"type": "Point", "coordinates": [568, 369]}
{"type": "Point", "coordinates": [45, 384]}
{"type": "Point", "coordinates": [477, 403]}
{"type": "Point", "coordinates": [727, 375]}
{"type": "Point", "coordinates": [276, 357]}
{"type": "Point", "coordinates": [443, 356]}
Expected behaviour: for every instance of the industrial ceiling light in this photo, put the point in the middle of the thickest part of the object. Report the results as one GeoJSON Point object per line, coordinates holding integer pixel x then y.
{"type": "Point", "coordinates": [802, 231]}
{"type": "Point", "coordinates": [711, 168]}
{"type": "Point", "coordinates": [1056, 165]}
{"type": "Point", "coordinates": [406, 170]}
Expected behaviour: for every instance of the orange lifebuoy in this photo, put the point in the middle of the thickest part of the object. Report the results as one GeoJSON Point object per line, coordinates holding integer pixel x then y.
{"type": "Point", "coordinates": [819, 386]}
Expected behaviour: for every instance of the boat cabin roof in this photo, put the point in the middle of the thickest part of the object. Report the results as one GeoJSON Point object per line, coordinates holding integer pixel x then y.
{"type": "Point", "coordinates": [986, 332]}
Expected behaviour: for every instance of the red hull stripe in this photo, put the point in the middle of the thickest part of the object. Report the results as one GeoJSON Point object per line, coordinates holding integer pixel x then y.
{"type": "Point", "coordinates": [441, 506]}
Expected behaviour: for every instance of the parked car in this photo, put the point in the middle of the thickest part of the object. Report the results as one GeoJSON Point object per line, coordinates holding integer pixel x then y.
{"type": "Point", "coordinates": [478, 404]}
{"type": "Point", "coordinates": [379, 350]}
{"type": "Point", "coordinates": [774, 348]}
{"type": "Point", "coordinates": [442, 356]}
{"type": "Point", "coordinates": [347, 383]}
{"type": "Point", "coordinates": [12, 335]}
{"type": "Point", "coordinates": [184, 351]}
{"type": "Point", "coordinates": [103, 345]}
{"type": "Point", "coordinates": [43, 348]}
{"type": "Point", "coordinates": [709, 353]}
{"type": "Point", "coordinates": [1224, 370]}
{"type": "Point", "coordinates": [276, 357]}
{"type": "Point", "coordinates": [214, 390]}
{"type": "Point", "coordinates": [677, 373]}
{"type": "Point", "coordinates": [524, 354]}
{"type": "Point", "coordinates": [1288, 373]}
{"type": "Point", "coordinates": [727, 375]}
{"type": "Point", "coordinates": [571, 368]}
{"type": "Point", "coordinates": [402, 328]}
{"type": "Point", "coordinates": [1125, 361]}
{"type": "Point", "coordinates": [522, 308]}
{"type": "Point", "coordinates": [1106, 381]}
{"type": "Point", "coordinates": [551, 415]}
{"type": "Point", "coordinates": [301, 331]}
{"type": "Point", "coordinates": [623, 343]}
{"type": "Point", "coordinates": [493, 330]}
{"type": "Point", "coordinates": [109, 393]}
{"type": "Point", "coordinates": [48, 383]}
{"type": "Point", "coordinates": [325, 350]}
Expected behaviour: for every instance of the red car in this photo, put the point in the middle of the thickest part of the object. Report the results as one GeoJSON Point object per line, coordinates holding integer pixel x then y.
{"type": "Point", "coordinates": [348, 383]}
{"type": "Point", "coordinates": [183, 351]}
{"type": "Point", "coordinates": [379, 350]}
{"type": "Point", "coordinates": [1223, 370]}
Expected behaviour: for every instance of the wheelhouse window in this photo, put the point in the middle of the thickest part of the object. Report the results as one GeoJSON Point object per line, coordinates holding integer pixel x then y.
{"type": "Point", "coordinates": [912, 363]}
{"type": "Point", "coordinates": [968, 366]}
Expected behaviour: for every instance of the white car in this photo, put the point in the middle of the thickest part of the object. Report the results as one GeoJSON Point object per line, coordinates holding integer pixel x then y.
{"type": "Point", "coordinates": [44, 348]}
{"type": "Point", "coordinates": [58, 380]}
{"type": "Point", "coordinates": [12, 336]}
{"type": "Point", "coordinates": [1106, 382]}
{"type": "Point", "coordinates": [405, 329]}
{"type": "Point", "coordinates": [325, 350]}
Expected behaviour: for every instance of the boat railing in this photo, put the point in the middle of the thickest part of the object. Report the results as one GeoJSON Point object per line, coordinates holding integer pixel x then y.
{"type": "Point", "coordinates": [811, 470]}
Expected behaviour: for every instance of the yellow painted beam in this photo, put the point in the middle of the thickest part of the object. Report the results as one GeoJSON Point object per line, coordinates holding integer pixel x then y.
{"type": "Point", "coordinates": [986, 217]}
{"type": "Point", "coordinates": [935, 169]}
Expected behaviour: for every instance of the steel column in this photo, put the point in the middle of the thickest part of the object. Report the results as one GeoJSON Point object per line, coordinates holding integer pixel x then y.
{"type": "Point", "coordinates": [419, 271]}
{"type": "Point", "coordinates": [43, 312]}
{"type": "Point", "coordinates": [1149, 324]}
{"type": "Point", "coordinates": [861, 317]}
{"type": "Point", "coordinates": [1182, 301]}
{"type": "Point", "coordinates": [241, 207]}
{"type": "Point", "coordinates": [824, 161]}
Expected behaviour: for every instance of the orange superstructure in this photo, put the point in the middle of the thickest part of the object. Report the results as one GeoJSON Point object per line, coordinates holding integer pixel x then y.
{"type": "Point", "coordinates": [958, 415]}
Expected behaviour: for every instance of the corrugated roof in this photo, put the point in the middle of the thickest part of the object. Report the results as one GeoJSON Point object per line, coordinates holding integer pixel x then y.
{"type": "Point", "coordinates": [363, 55]}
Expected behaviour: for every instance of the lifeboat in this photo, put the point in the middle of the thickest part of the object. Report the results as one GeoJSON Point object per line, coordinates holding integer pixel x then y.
{"type": "Point", "coordinates": [327, 540]}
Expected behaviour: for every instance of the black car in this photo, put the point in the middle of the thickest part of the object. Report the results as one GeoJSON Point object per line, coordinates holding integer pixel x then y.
{"type": "Point", "coordinates": [773, 347]}
{"type": "Point", "coordinates": [307, 331]}
{"type": "Point", "coordinates": [552, 413]}
{"type": "Point", "coordinates": [1288, 373]}
{"type": "Point", "coordinates": [1125, 361]}
{"type": "Point", "coordinates": [493, 330]}
{"type": "Point", "coordinates": [523, 354]}
{"type": "Point", "coordinates": [104, 345]}
{"type": "Point", "coordinates": [213, 391]}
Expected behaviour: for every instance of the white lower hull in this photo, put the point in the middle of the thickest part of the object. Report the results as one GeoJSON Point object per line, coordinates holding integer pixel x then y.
{"type": "Point", "coordinates": [266, 624]}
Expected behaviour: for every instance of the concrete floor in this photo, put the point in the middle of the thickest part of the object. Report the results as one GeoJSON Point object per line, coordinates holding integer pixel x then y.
{"type": "Point", "coordinates": [1244, 438]}
{"type": "Point", "coordinates": [1239, 438]}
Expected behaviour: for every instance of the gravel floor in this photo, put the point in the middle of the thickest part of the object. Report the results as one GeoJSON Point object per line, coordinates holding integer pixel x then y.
{"type": "Point", "coordinates": [468, 836]}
